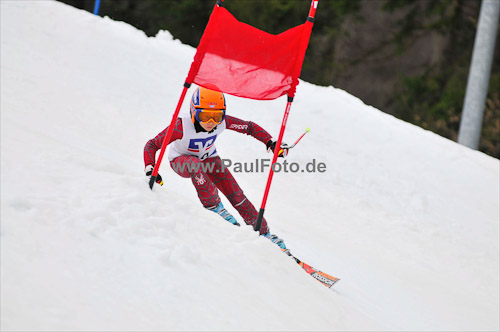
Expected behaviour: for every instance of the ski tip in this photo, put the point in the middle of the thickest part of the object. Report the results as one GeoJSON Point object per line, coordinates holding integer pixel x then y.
{"type": "Point", "coordinates": [335, 282]}
{"type": "Point", "coordinates": [308, 130]}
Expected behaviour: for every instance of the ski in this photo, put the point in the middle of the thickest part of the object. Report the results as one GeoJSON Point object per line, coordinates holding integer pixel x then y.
{"type": "Point", "coordinates": [322, 277]}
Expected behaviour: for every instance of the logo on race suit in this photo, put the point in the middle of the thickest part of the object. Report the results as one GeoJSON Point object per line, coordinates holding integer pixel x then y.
{"type": "Point", "coordinates": [200, 180]}
{"type": "Point", "coordinates": [237, 126]}
{"type": "Point", "coordinates": [201, 144]}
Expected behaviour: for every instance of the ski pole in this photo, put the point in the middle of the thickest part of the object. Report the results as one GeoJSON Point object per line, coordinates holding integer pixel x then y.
{"type": "Point", "coordinates": [307, 131]}
{"type": "Point", "coordinates": [297, 141]}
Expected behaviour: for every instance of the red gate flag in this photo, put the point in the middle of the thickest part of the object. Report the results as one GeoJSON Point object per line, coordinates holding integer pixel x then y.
{"type": "Point", "coordinates": [238, 59]}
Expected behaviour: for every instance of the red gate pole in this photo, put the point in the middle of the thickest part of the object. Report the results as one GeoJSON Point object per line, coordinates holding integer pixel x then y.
{"type": "Point", "coordinates": [258, 224]}
{"type": "Point", "coordinates": [170, 130]}
{"type": "Point", "coordinates": [200, 53]}
{"type": "Point", "coordinates": [275, 158]}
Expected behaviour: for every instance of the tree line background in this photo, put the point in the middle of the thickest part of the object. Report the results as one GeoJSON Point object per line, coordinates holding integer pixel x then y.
{"type": "Point", "coordinates": [407, 58]}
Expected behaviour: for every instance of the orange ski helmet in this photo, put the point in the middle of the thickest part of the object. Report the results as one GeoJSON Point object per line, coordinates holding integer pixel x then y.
{"type": "Point", "coordinates": [209, 101]}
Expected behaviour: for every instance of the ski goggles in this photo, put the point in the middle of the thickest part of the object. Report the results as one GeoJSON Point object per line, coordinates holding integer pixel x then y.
{"type": "Point", "coordinates": [206, 115]}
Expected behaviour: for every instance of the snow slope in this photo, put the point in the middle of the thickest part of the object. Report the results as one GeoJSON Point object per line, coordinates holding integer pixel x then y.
{"type": "Point", "coordinates": [407, 219]}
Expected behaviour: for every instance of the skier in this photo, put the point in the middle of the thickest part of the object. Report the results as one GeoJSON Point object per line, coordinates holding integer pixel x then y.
{"type": "Point", "coordinates": [193, 155]}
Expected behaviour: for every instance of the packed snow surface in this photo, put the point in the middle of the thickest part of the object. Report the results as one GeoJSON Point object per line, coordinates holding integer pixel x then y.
{"type": "Point", "coordinates": [407, 219]}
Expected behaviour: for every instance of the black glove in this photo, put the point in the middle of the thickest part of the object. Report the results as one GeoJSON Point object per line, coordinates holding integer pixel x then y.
{"type": "Point", "coordinates": [271, 145]}
{"type": "Point", "coordinates": [149, 171]}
